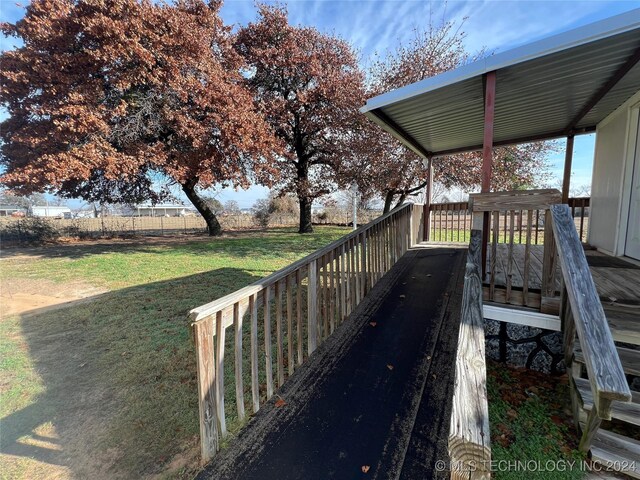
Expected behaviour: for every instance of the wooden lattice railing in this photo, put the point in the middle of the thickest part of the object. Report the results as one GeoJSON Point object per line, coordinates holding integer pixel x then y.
{"type": "Point", "coordinates": [297, 306]}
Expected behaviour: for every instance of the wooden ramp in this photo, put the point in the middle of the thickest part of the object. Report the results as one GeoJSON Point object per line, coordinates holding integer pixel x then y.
{"type": "Point", "coordinates": [375, 397]}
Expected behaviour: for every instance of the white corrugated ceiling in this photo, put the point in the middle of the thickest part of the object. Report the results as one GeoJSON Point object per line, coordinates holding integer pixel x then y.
{"type": "Point", "coordinates": [540, 89]}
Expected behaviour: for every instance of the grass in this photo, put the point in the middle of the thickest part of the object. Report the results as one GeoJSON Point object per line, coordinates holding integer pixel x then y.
{"type": "Point", "coordinates": [136, 264]}
{"type": "Point", "coordinates": [529, 424]}
{"type": "Point", "coordinates": [106, 386]}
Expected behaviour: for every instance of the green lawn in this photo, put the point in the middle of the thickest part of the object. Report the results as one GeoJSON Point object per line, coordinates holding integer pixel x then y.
{"type": "Point", "coordinates": [106, 387]}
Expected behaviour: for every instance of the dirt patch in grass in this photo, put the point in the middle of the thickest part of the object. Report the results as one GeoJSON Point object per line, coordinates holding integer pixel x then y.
{"type": "Point", "coordinates": [20, 296]}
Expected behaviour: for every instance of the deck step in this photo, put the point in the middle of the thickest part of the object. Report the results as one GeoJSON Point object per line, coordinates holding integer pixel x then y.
{"type": "Point", "coordinates": [630, 359]}
{"type": "Point", "coordinates": [626, 411]}
{"type": "Point", "coordinates": [616, 452]}
{"type": "Point", "coordinates": [624, 322]}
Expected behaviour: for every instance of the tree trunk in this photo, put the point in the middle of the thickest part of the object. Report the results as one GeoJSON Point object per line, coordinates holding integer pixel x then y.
{"type": "Point", "coordinates": [388, 200]}
{"type": "Point", "coordinates": [213, 226]}
{"type": "Point", "coordinates": [305, 215]}
{"type": "Point", "coordinates": [304, 199]}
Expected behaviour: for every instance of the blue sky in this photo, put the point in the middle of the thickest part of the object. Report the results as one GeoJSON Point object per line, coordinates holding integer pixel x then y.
{"type": "Point", "coordinates": [378, 25]}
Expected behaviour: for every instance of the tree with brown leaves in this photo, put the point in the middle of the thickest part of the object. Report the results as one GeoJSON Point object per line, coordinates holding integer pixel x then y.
{"type": "Point", "coordinates": [309, 87]}
{"type": "Point", "coordinates": [380, 165]}
{"type": "Point", "coordinates": [106, 98]}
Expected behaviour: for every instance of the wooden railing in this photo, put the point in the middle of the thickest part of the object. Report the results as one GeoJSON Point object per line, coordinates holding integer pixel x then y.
{"type": "Point", "coordinates": [297, 306]}
{"type": "Point", "coordinates": [512, 262]}
{"type": "Point", "coordinates": [469, 439]}
{"type": "Point", "coordinates": [580, 214]}
{"type": "Point", "coordinates": [583, 317]}
{"type": "Point", "coordinates": [451, 222]}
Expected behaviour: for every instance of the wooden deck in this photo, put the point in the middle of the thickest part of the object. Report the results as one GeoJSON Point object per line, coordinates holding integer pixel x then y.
{"type": "Point", "coordinates": [617, 281]}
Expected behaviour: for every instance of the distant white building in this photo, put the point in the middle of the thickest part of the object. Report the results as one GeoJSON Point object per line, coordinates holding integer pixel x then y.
{"type": "Point", "coordinates": [162, 210]}
{"type": "Point", "coordinates": [50, 211]}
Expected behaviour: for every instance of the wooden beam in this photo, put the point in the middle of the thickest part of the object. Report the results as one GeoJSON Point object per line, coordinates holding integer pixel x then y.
{"type": "Point", "coordinates": [519, 316]}
{"type": "Point", "coordinates": [517, 140]}
{"type": "Point", "coordinates": [428, 200]}
{"type": "Point", "coordinates": [603, 90]}
{"type": "Point", "coordinates": [566, 179]}
{"type": "Point", "coordinates": [487, 154]}
{"type": "Point", "coordinates": [401, 133]}
{"type": "Point", "coordinates": [489, 116]}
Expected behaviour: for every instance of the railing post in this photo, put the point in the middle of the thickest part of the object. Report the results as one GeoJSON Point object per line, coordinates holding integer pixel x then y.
{"type": "Point", "coordinates": [220, 343]}
{"type": "Point", "coordinates": [268, 354]}
{"type": "Point", "coordinates": [549, 259]}
{"type": "Point", "coordinates": [203, 334]}
{"type": "Point", "coordinates": [312, 306]}
{"type": "Point", "coordinates": [363, 264]}
{"type": "Point", "coordinates": [255, 386]}
{"type": "Point", "coordinates": [590, 428]}
{"type": "Point", "coordinates": [237, 323]}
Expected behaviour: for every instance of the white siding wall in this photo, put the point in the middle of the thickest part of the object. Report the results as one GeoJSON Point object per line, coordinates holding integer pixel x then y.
{"type": "Point", "coordinates": [610, 185]}
{"type": "Point", "coordinates": [606, 189]}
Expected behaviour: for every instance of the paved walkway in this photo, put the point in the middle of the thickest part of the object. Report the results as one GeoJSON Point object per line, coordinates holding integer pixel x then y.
{"type": "Point", "coordinates": [376, 396]}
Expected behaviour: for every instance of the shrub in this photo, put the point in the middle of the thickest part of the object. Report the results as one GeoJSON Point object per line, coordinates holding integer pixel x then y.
{"type": "Point", "coordinates": [31, 230]}
{"type": "Point", "coordinates": [262, 210]}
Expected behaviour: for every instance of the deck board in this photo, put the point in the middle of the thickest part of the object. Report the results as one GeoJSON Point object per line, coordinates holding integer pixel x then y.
{"type": "Point", "coordinates": [377, 396]}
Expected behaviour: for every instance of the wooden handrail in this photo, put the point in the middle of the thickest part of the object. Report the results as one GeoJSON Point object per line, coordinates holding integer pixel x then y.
{"type": "Point", "coordinates": [469, 439]}
{"type": "Point", "coordinates": [583, 315]}
{"type": "Point", "coordinates": [337, 276]}
{"type": "Point", "coordinates": [540, 199]}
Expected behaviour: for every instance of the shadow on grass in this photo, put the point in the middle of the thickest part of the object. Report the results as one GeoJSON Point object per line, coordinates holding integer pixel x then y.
{"type": "Point", "coordinates": [118, 378]}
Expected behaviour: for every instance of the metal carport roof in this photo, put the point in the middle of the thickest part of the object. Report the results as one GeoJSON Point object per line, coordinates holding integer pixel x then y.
{"type": "Point", "coordinates": [561, 85]}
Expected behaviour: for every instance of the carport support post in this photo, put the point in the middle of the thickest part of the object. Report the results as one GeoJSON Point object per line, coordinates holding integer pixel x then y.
{"type": "Point", "coordinates": [566, 179]}
{"type": "Point", "coordinates": [426, 214]}
{"type": "Point", "coordinates": [487, 154]}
